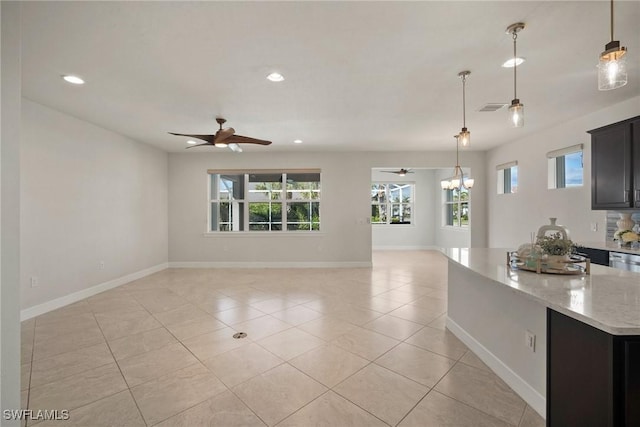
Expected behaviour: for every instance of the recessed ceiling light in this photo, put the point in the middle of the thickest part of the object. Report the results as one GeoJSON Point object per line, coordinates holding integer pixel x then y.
{"type": "Point", "coordinates": [275, 77]}
{"type": "Point", "coordinates": [73, 79]}
{"type": "Point", "coordinates": [509, 62]}
{"type": "Point", "coordinates": [297, 141]}
{"type": "Point", "coordinates": [191, 142]}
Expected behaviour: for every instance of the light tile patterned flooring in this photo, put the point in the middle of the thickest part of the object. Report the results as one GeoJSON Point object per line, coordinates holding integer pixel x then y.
{"type": "Point", "coordinates": [341, 347]}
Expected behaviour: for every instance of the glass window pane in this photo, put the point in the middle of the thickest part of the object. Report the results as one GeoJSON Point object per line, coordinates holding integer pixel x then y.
{"type": "Point", "coordinates": [298, 227]}
{"type": "Point", "coordinates": [400, 213]}
{"type": "Point", "coordinates": [449, 213]}
{"type": "Point", "coordinates": [514, 179]}
{"type": "Point", "coordinates": [407, 197]}
{"type": "Point", "coordinates": [464, 213]}
{"type": "Point", "coordinates": [456, 215]}
{"type": "Point", "coordinates": [298, 212]}
{"type": "Point", "coordinates": [265, 187]}
{"type": "Point", "coordinates": [266, 215]}
{"type": "Point", "coordinates": [303, 186]}
{"type": "Point", "coordinates": [378, 193]}
{"type": "Point", "coordinates": [231, 187]}
{"type": "Point", "coordinates": [229, 216]}
{"type": "Point", "coordinates": [449, 195]}
{"type": "Point", "coordinates": [377, 214]}
{"type": "Point", "coordinates": [573, 169]}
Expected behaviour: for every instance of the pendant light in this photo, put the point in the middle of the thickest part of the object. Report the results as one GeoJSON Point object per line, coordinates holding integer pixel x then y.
{"type": "Point", "coordinates": [516, 109]}
{"type": "Point", "coordinates": [612, 68]}
{"type": "Point", "coordinates": [458, 181]}
{"type": "Point", "coordinates": [464, 135]}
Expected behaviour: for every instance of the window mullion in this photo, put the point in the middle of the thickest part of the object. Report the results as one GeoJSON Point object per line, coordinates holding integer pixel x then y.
{"type": "Point", "coordinates": [285, 226]}
{"type": "Point", "coordinates": [245, 204]}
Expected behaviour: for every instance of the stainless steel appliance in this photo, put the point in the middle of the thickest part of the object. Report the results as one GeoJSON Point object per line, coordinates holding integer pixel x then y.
{"type": "Point", "coordinates": [624, 261]}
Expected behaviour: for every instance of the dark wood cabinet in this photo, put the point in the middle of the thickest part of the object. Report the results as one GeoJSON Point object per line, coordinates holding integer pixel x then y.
{"type": "Point", "coordinates": [615, 165]}
{"type": "Point", "coordinates": [593, 378]}
{"type": "Point", "coordinates": [635, 147]}
{"type": "Point", "coordinates": [597, 256]}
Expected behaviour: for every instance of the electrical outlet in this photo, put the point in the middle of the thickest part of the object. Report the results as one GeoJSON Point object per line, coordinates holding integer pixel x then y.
{"type": "Point", "coordinates": [101, 265]}
{"type": "Point", "coordinates": [530, 340]}
{"type": "Point", "coordinates": [594, 226]}
{"type": "Point", "coordinates": [34, 282]}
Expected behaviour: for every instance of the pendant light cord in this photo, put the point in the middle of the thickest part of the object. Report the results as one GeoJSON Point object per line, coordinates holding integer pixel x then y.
{"type": "Point", "coordinates": [464, 114]}
{"type": "Point", "coordinates": [515, 36]}
{"type": "Point", "coordinates": [611, 20]}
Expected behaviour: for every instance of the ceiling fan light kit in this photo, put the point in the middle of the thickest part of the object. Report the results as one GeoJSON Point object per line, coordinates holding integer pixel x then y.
{"type": "Point", "coordinates": [612, 67]}
{"type": "Point", "coordinates": [516, 109]}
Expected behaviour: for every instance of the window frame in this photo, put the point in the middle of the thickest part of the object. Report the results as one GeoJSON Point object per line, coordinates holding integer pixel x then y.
{"type": "Point", "coordinates": [388, 203]}
{"type": "Point", "coordinates": [245, 223]}
{"type": "Point", "coordinates": [556, 170]}
{"type": "Point", "coordinates": [504, 176]}
{"type": "Point", "coordinates": [455, 202]}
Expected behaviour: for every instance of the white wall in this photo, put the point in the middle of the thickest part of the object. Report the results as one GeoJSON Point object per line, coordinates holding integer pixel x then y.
{"type": "Point", "coordinates": [10, 211]}
{"type": "Point", "coordinates": [345, 208]}
{"type": "Point", "coordinates": [344, 237]}
{"type": "Point", "coordinates": [513, 216]}
{"type": "Point", "coordinates": [420, 233]}
{"type": "Point", "coordinates": [88, 195]}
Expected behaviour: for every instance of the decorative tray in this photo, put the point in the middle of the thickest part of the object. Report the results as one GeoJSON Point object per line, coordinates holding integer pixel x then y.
{"type": "Point", "coordinates": [575, 265]}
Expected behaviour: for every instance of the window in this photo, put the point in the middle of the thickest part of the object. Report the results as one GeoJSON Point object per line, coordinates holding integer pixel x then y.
{"type": "Point", "coordinates": [264, 201]}
{"type": "Point", "coordinates": [565, 167]}
{"type": "Point", "coordinates": [507, 178]}
{"type": "Point", "coordinates": [391, 203]}
{"type": "Point", "coordinates": [456, 207]}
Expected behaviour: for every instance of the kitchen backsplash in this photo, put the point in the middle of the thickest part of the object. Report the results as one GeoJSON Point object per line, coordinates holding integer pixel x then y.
{"type": "Point", "coordinates": [613, 216]}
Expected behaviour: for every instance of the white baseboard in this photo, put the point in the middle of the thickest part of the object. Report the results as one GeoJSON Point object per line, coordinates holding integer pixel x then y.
{"type": "Point", "coordinates": [54, 304]}
{"type": "Point", "coordinates": [249, 264]}
{"type": "Point", "coordinates": [522, 388]}
{"type": "Point", "coordinates": [406, 248]}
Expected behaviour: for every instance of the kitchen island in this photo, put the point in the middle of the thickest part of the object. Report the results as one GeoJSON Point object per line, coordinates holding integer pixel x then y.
{"type": "Point", "coordinates": [587, 326]}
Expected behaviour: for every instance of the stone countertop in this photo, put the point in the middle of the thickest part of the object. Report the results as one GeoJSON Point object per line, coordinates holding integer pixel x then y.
{"type": "Point", "coordinates": [607, 299]}
{"type": "Point", "coordinates": [608, 246]}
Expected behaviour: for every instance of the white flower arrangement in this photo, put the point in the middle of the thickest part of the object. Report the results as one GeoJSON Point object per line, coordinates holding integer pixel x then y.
{"type": "Point", "coordinates": [626, 236]}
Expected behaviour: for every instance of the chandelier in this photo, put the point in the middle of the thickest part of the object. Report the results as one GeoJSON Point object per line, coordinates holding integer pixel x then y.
{"type": "Point", "coordinates": [458, 181]}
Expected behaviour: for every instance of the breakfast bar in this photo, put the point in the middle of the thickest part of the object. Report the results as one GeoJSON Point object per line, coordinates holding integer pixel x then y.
{"type": "Point", "coordinates": [569, 345]}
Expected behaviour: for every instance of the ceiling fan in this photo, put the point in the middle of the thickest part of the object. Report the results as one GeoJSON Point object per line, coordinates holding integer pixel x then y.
{"type": "Point", "coordinates": [401, 172]}
{"type": "Point", "coordinates": [224, 138]}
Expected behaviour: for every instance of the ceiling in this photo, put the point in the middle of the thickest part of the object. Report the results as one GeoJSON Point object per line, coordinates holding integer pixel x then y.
{"type": "Point", "coordinates": [359, 75]}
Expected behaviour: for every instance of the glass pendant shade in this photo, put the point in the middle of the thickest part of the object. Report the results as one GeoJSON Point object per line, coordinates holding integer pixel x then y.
{"type": "Point", "coordinates": [444, 184]}
{"type": "Point", "coordinates": [464, 137]}
{"type": "Point", "coordinates": [612, 67]}
{"type": "Point", "coordinates": [469, 183]}
{"type": "Point", "coordinates": [516, 114]}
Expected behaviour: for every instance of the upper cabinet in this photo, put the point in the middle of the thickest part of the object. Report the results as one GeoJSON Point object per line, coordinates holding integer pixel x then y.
{"type": "Point", "coordinates": [615, 165]}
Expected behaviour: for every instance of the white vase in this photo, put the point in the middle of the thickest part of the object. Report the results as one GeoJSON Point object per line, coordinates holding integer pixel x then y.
{"type": "Point", "coordinates": [553, 228]}
{"type": "Point", "coordinates": [625, 222]}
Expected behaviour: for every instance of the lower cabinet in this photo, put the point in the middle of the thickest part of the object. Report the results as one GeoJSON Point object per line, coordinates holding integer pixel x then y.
{"type": "Point", "coordinates": [597, 256]}
{"type": "Point", "coordinates": [593, 378]}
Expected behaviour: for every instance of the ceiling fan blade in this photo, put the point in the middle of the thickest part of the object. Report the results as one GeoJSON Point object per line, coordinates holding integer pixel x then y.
{"type": "Point", "coordinates": [208, 138]}
{"type": "Point", "coordinates": [239, 139]}
{"type": "Point", "coordinates": [200, 145]}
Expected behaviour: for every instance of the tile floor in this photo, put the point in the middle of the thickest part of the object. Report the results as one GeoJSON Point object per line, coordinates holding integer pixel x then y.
{"type": "Point", "coordinates": [340, 347]}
